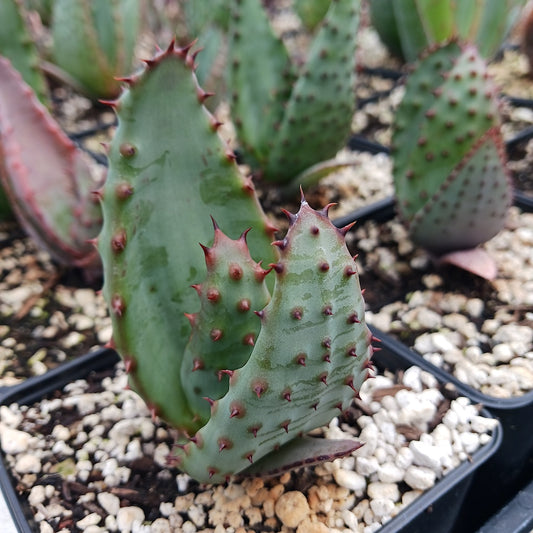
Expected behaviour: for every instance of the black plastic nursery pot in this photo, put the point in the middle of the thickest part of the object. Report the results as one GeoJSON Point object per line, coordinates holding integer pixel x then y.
{"type": "Point", "coordinates": [515, 517]}
{"type": "Point", "coordinates": [511, 467]}
{"type": "Point", "coordinates": [434, 511]}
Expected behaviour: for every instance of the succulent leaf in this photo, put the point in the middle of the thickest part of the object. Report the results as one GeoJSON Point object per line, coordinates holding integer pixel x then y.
{"type": "Point", "coordinates": [168, 172]}
{"type": "Point", "coordinates": [309, 359]}
{"type": "Point", "coordinates": [449, 166]}
{"type": "Point", "coordinates": [287, 121]}
{"type": "Point", "coordinates": [407, 27]}
{"type": "Point", "coordinates": [46, 178]}
{"type": "Point", "coordinates": [318, 115]}
{"type": "Point", "coordinates": [94, 41]}
{"type": "Point", "coordinates": [17, 46]}
{"type": "Point", "coordinates": [226, 327]}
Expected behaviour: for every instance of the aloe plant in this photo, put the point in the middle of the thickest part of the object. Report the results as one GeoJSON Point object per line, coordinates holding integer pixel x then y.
{"type": "Point", "coordinates": [94, 42]}
{"type": "Point", "coordinates": [450, 174]}
{"type": "Point", "coordinates": [408, 27]}
{"type": "Point", "coordinates": [46, 178]}
{"type": "Point", "coordinates": [289, 118]}
{"type": "Point", "coordinates": [17, 46]}
{"type": "Point", "coordinates": [240, 386]}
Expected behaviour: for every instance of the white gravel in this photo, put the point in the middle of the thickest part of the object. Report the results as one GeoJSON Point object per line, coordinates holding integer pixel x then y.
{"type": "Point", "coordinates": [405, 446]}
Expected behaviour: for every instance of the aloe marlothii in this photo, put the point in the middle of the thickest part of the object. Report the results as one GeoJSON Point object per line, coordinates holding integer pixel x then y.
{"type": "Point", "coordinates": [47, 180]}
{"type": "Point", "coordinates": [288, 118]}
{"type": "Point", "coordinates": [449, 169]}
{"type": "Point", "coordinates": [94, 41]}
{"type": "Point", "coordinates": [284, 370]}
{"type": "Point", "coordinates": [407, 27]}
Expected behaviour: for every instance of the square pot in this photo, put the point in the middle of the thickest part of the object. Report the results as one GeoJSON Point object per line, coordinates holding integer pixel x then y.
{"type": "Point", "coordinates": [435, 510]}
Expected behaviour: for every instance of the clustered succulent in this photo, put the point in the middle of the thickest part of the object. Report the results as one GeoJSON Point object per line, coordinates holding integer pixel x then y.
{"type": "Point", "coordinates": [289, 117]}
{"type": "Point", "coordinates": [409, 27]}
{"type": "Point", "coordinates": [452, 185]}
{"type": "Point", "coordinates": [238, 384]}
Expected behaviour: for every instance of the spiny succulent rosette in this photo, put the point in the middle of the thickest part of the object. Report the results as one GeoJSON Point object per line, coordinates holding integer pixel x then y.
{"type": "Point", "coordinates": [243, 370]}
{"type": "Point", "coordinates": [450, 176]}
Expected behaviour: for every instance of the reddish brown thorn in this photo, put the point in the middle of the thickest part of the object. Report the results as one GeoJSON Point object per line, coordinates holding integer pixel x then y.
{"type": "Point", "coordinates": [339, 406]}
{"type": "Point", "coordinates": [191, 317]}
{"type": "Point", "coordinates": [254, 430]}
{"type": "Point", "coordinates": [227, 372]}
{"type": "Point", "coordinates": [374, 339]}
{"type": "Point", "coordinates": [326, 343]}
{"type": "Point", "coordinates": [300, 359]}
{"type": "Point", "coordinates": [235, 271]}
{"type": "Point", "coordinates": [127, 150]}
{"type": "Point", "coordinates": [259, 386]}
{"type": "Point", "coordinates": [353, 319]}
{"type": "Point", "coordinates": [277, 267]}
{"type": "Point", "coordinates": [249, 339]}
{"type": "Point", "coordinates": [216, 334]}
{"type": "Point", "coordinates": [97, 195]}
{"type": "Point", "coordinates": [209, 400]}
{"type": "Point", "coordinates": [260, 314]}
{"type": "Point", "coordinates": [197, 364]}
{"type": "Point", "coordinates": [325, 210]}
{"type": "Point", "coordinates": [118, 241]}
{"type": "Point", "coordinates": [250, 457]}
{"type": "Point", "coordinates": [286, 395]}
{"type": "Point", "coordinates": [323, 378]}
{"type": "Point", "coordinates": [292, 218]}
{"type": "Point", "coordinates": [314, 406]}
{"type": "Point", "coordinates": [118, 305]}
{"type": "Point", "coordinates": [248, 186]}
{"type": "Point", "coordinates": [343, 231]}
{"type": "Point", "coordinates": [231, 156]}
{"type": "Point", "coordinates": [211, 472]}
{"type": "Point", "coordinates": [236, 410]}
{"type": "Point", "coordinates": [327, 311]}
{"type": "Point", "coordinates": [323, 267]}
{"type": "Point", "coordinates": [224, 444]}
{"type": "Point", "coordinates": [111, 103]}
{"type": "Point", "coordinates": [213, 294]}
{"type": "Point", "coordinates": [129, 364]}
{"type": "Point", "coordinates": [153, 412]}
{"type": "Point", "coordinates": [244, 305]}
{"type": "Point", "coordinates": [198, 288]}
{"type": "Point", "coordinates": [351, 352]}
{"type": "Point", "coordinates": [281, 244]}
{"type": "Point", "coordinates": [285, 425]}
{"type": "Point", "coordinates": [260, 273]}
{"type": "Point", "coordinates": [123, 190]}
{"type": "Point", "coordinates": [297, 313]}
{"type": "Point", "coordinates": [270, 228]}
{"type": "Point", "coordinates": [349, 382]}
{"type": "Point", "coordinates": [214, 123]}
{"type": "Point", "coordinates": [350, 271]}
{"type": "Point", "coordinates": [202, 94]}
{"type": "Point", "coordinates": [326, 358]}
{"type": "Point", "coordinates": [111, 344]}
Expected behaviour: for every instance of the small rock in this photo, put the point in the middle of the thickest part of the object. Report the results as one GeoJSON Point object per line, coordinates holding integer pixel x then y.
{"type": "Point", "coordinates": [109, 502]}
{"type": "Point", "coordinates": [350, 480]}
{"type": "Point", "coordinates": [91, 519]}
{"type": "Point", "coordinates": [420, 477]}
{"type": "Point", "coordinates": [28, 464]}
{"type": "Point", "coordinates": [382, 507]}
{"type": "Point", "coordinates": [13, 441]}
{"type": "Point", "coordinates": [291, 508]}
{"type": "Point", "coordinates": [385, 491]}
{"type": "Point", "coordinates": [128, 516]}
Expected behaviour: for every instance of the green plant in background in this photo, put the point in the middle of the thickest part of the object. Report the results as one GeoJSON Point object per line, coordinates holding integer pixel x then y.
{"type": "Point", "coordinates": [238, 384]}
{"type": "Point", "coordinates": [94, 41]}
{"type": "Point", "coordinates": [289, 118]}
{"type": "Point", "coordinates": [408, 27]}
{"type": "Point", "coordinates": [207, 23]}
{"type": "Point", "coordinates": [450, 176]}
{"type": "Point", "coordinates": [311, 12]}
{"type": "Point", "coordinates": [46, 178]}
{"type": "Point", "coordinates": [16, 45]}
